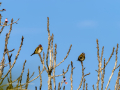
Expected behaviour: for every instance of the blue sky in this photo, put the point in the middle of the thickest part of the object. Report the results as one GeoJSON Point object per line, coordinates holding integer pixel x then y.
{"type": "Point", "coordinates": [76, 22]}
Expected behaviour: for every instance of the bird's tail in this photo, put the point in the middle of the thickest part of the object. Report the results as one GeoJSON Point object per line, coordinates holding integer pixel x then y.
{"type": "Point", "coordinates": [32, 54]}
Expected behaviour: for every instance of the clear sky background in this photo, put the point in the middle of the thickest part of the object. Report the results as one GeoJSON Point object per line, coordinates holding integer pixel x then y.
{"type": "Point", "coordinates": [76, 22]}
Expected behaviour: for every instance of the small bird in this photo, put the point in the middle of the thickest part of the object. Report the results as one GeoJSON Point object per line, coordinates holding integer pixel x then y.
{"type": "Point", "coordinates": [65, 81]}
{"type": "Point", "coordinates": [6, 20]}
{"type": "Point", "coordinates": [38, 50]}
{"type": "Point", "coordinates": [81, 57]}
{"type": "Point", "coordinates": [3, 9]}
{"type": "Point", "coordinates": [0, 3]}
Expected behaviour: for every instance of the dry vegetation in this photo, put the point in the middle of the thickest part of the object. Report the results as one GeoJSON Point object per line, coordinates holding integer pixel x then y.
{"type": "Point", "coordinates": [50, 68]}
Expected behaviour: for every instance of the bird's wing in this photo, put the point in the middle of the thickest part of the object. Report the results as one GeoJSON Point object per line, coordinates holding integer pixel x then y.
{"type": "Point", "coordinates": [80, 57]}
{"type": "Point", "coordinates": [36, 50]}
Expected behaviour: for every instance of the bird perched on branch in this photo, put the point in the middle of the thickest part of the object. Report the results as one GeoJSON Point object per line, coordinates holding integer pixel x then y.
{"type": "Point", "coordinates": [6, 21]}
{"type": "Point", "coordinates": [65, 80]}
{"type": "Point", "coordinates": [81, 57]}
{"type": "Point", "coordinates": [38, 50]}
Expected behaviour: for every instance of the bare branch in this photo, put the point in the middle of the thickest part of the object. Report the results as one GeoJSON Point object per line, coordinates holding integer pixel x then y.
{"type": "Point", "coordinates": [109, 57]}
{"type": "Point", "coordinates": [54, 67]}
{"type": "Point", "coordinates": [48, 41]}
{"type": "Point", "coordinates": [40, 78]}
{"type": "Point", "coordinates": [98, 51]}
{"type": "Point", "coordinates": [113, 69]}
{"type": "Point", "coordinates": [62, 79]}
{"type": "Point", "coordinates": [82, 76]}
{"type": "Point", "coordinates": [62, 74]}
{"type": "Point", "coordinates": [14, 60]}
{"type": "Point", "coordinates": [27, 81]}
{"type": "Point", "coordinates": [42, 61]}
{"type": "Point", "coordinates": [66, 56]}
{"type": "Point", "coordinates": [10, 23]}
{"type": "Point", "coordinates": [71, 75]}
{"type": "Point", "coordinates": [86, 86]}
{"type": "Point", "coordinates": [93, 87]}
{"type": "Point", "coordinates": [102, 78]}
{"type": "Point", "coordinates": [32, 74]}
{"type": "Point", "coordinates": [21, 72]}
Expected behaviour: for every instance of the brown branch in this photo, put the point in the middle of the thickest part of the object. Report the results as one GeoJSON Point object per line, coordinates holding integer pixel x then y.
{"type": "Point", "coordinates": [86, 74]}
{"type": "Point", "coordinates": [99, 65]}
{"type": "Point", "coordinates": [10, 23]}
{"type": "Point", "coordinates": [48, 41]}
{"type": "Point", "coordinates": [24, 83]}
{"type": "Point", "coordinates": [102, 53]}
{"type": "Point", "coordinates": [66, 56]}
{"type": "Point", "coordinates": [59, 86]}
{"type": "Point", "coordinates": [117, 66]}
{"type": "Point", "coordinates": [93, 87]}
{"type": "Point", "coordinates": [40, 78]}
{"type": "Point", "coordinates": [21, 72]}
{"type": "Point", "coordinates": [9, 58]}
{"type": "Point", "coordinates": [101, 59]}
{"type": "Point", "coordinates": [102, 78]}
{"type": "Point", "coordinates": [6, 50]}
{"type": "Point", "coordinates": [40, 58]}
{"type": "Point", "coordinates": [42, 61]}
{"type": "Point", "coordinates": [54, 67]}
{"type": "Point", "coordinates": [64, 88]}
{"type": "Point", "coordinates": [62, 79]}
{"type": "Point", "coordinates": [113, 69]}
{"type": "Point", "coordinates": [71, 75]}
{"type": "Point", "coordinates": [82, 76]}
{"type": "Point", "coordinates": [11, 50]}
{"type": "Point", "coordinates": [2, 29]}
{"type": "Point", "coordinates": [109, 57]}
{"type": "Point", "coordinates": [62, 74]}
{"type": "Point", "coordinates": [32, 74]}
{"type": "Point", "coordinates": [27, 80]}
{"type": "Point", "coordinates": [52, 48]}
{"type": "Point", "coordinates": [14, 60]}
{"type": "Point", "coordinates": [86, 86]}
{"type": "Point", "coordinates": [98, 51]}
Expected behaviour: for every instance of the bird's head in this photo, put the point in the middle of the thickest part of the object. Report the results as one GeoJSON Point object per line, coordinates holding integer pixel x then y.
{"type": "Point", "coordinates": [83, 53]}
{"type": "Point", "coordinates": [4, 9]}
{"type": "Point", "coordinates": [40, 45]}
